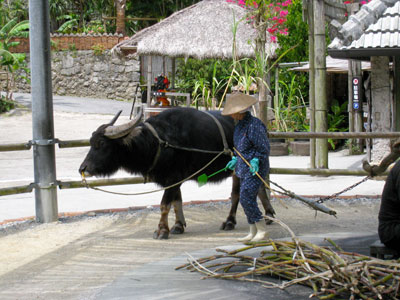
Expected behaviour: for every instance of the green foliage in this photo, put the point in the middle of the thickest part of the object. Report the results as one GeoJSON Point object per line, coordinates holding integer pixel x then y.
{"type": "Point", "coordinates": [337, 119]}
{"type": "Point", "coordinates": [6, 104]}
{"type": "Point", "coordinates": [159, 9]}
{"type": "Point", "coordinates": [298, 35]}
{"type": "Point", "coordinates": [204, 79]}
{"type": "Point", "coordinates": [290, 109]}
{"type": "Point", "coordinates": [13, 9]}
{"type": "Point", "coordinates": [98, 49]}
{"type": "Point", "coordinates": [7, 32]}
{"type": "Point", "coordinates": [8, 60]}
{"type": "Point", "coordinates": [69, 26]}
{"type": "Point", "coordinates": [192, 70]}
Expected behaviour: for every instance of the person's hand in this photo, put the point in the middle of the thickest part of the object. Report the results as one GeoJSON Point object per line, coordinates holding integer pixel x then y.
{"type": "Point", "coordinates": [254, 166]}
{"type": "Point", "coordinates": [232, 163]}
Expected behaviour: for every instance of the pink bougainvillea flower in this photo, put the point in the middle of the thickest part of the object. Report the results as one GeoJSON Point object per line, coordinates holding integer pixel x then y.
{"type": "Point", "coordinates": [283, 13]}
{"type": "Point", "coordinates": [287, 3]}
{"type": "Point", "coordinates": [274, 39]}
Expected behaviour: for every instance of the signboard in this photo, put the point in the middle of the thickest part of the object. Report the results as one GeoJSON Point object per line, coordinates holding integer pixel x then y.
{"type": "Point", "coordinates": [357, 92]}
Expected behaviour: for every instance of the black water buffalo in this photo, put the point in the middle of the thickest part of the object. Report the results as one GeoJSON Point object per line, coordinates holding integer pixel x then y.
{"type": "Point", "coordinates": [151, 152]}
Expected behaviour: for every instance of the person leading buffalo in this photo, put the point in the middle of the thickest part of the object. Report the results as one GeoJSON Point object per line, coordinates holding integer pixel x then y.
{"type": "Point", "coordinates": [251, 141]}
{"type": "Point", "coordinates": [389, 212]}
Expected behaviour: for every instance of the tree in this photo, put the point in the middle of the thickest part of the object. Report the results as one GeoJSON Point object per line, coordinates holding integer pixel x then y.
{"type": "Point", "coordinates": [12, 61]}
{"type": "Point", "coordinates": [120, 22]}
{"type": "Point", "coordinates": [268, 18]}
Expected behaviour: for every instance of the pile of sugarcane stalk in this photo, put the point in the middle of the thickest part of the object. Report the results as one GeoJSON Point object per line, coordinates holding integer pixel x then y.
{"type": "Point", "coordinates": [330, 273]}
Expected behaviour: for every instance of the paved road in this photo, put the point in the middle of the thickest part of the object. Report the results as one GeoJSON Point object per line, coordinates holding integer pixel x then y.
{"type": "Point", "coordinates": [73, 104]}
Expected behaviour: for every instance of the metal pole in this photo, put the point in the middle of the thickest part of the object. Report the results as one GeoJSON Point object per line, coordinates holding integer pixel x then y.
{"type": "Point", "coordinates": [42, 113]}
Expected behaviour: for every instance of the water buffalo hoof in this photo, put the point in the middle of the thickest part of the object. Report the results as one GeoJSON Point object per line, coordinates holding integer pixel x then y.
{"type": "Point", "coordinates": [177, 229]}
{"type": "Point", "coordinates": [161, 234]}
{"type": "Point", "coordinates": [228, 225]}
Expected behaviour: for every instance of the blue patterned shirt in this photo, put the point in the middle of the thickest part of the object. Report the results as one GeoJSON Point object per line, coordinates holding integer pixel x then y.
{"type": "Point", "coordinates": [250, 138]}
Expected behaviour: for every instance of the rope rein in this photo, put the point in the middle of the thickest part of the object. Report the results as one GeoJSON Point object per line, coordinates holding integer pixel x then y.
{"type": "Point", "coordinates": [153, 191]}
{"type": "Point", "coordinates": [226, 151]}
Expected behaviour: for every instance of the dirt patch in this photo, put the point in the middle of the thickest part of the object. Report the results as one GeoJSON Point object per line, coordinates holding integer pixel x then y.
{"type": "Point", "coordinates": [78, 256]}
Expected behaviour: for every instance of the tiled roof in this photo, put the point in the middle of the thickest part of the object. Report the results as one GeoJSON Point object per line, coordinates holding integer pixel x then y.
{"type": "Point", "coordinates": [376, 25]}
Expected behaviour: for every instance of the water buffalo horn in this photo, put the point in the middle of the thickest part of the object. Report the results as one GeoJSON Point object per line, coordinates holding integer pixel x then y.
{"type": "Point", "coordinates": [114, 132]}
{"type": "Point", "coordinates": [115, 118]}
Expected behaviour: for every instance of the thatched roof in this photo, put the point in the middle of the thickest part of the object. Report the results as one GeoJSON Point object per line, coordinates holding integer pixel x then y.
{"type": "Point", "coordinates": [203, 30]}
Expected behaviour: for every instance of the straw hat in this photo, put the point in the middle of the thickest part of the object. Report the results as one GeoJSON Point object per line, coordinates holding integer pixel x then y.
{"type": "Point", "coordinates": [238, 102]}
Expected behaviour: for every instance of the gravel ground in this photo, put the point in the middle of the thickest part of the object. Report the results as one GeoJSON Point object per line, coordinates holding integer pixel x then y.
{"type": "Point", "coordinates": [77, 257]}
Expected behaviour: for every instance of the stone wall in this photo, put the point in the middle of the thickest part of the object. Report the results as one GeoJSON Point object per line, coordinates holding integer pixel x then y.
{"type": "Point", "coordinates": [381, 106]}
{"type": "Point", "coordinates": [86, 74]}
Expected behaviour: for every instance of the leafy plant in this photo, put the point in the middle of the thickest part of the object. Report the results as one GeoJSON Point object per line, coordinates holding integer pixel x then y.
{"type": "Point", "coordinates": [245, 75]}
{"type": "Point", "coordinates": [207, 91]}
{"type": "Point", "coordinates": [98, 49]}
{"type": "Point", "coordinates": [68, 26]}
{"type": "Point", "coordinates": [6, 104]}
{"type": "Point", "coordinates": [202, 78]}
{"type": "Point", "coordinates": [290, 109]}
{"type": "Point", "coordinates": [337, 119]}
{"type": "Point", "coordinates": [8, 60]}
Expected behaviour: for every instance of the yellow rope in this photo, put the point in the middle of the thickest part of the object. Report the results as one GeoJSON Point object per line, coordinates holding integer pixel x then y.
{"type": "Point", "coordinates": [153, 191]}
{"type": "Point", "coordinates": [259, 176]}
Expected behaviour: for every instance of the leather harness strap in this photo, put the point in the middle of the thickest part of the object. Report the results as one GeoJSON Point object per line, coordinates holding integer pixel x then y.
{"type": "Point", "coordinates": [166, 144]}
{"type": "Point", "coordinates": [221, 131]}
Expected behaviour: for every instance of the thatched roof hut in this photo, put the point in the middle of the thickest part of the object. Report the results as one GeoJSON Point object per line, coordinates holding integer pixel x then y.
{"type": "Point", "coordinates": [203, 30]}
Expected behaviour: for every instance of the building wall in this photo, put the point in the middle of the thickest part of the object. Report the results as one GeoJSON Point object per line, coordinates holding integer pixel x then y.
{"type": "Point", "coordinates": [86, 74]}
{"type": "Point", "coordinates": [82, 65]}
{"type": "Point", "coordinates": [381, 105]}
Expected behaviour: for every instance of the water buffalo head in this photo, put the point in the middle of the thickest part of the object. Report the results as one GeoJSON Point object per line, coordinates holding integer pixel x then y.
{"type": "Point", "coordinates": [106, 147]}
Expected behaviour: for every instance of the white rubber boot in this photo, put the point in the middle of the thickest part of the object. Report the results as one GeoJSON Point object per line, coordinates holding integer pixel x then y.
{"type": "Point", "coordinates": [252, 233]}
{"type": "Point", "coordinates": [262, 233]}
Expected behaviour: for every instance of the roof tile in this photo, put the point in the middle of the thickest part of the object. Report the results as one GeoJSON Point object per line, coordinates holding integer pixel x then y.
{"type": "Point", "coordinates": [384, 33]}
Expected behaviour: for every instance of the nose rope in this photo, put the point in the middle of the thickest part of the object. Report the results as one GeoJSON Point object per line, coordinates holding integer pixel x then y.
{"type": "Point", "coordinates": [84, 181]}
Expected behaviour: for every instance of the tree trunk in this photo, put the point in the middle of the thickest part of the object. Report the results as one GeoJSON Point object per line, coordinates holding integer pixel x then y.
{"type": "Point", "coordinates": [120, 22]}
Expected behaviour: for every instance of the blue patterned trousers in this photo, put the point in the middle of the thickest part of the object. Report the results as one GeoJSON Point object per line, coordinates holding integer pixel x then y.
{"type": "Point", "coordinates": [248, 198]}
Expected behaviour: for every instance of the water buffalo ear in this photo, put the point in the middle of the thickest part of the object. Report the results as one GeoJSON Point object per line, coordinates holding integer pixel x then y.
{"type": "Point", "coordinates": [132, 135]}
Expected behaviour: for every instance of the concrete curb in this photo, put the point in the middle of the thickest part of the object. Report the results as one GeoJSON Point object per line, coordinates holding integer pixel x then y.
{"type": "Point", "coordinates": [198, 202]}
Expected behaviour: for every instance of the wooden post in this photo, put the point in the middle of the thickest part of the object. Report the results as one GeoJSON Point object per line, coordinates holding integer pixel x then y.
{"type": "Point", "coordinates": [311, 75]}
{"type": "Point", "coordinates": [320, 83]}
{"type": "Point", "coordinates": [262, 68]}
{"type": "Point", "coordinates": [396, 84]}
{"type": "Point", "coordinates": [355, 115]}
{"type": "Point", "coordinates": [276, 97]}
{"type": "Point", "coordinates": [149, 80]}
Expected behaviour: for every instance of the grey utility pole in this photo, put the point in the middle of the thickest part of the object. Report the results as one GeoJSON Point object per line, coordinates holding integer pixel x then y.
{"type": "Point", "coordinates": [42, 113]}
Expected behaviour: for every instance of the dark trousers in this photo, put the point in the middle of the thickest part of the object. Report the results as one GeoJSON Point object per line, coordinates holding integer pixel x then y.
{"type": "Point", "coordinates": [248, 198]}
{"type": "Point", "coordinates": [389, 234]}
